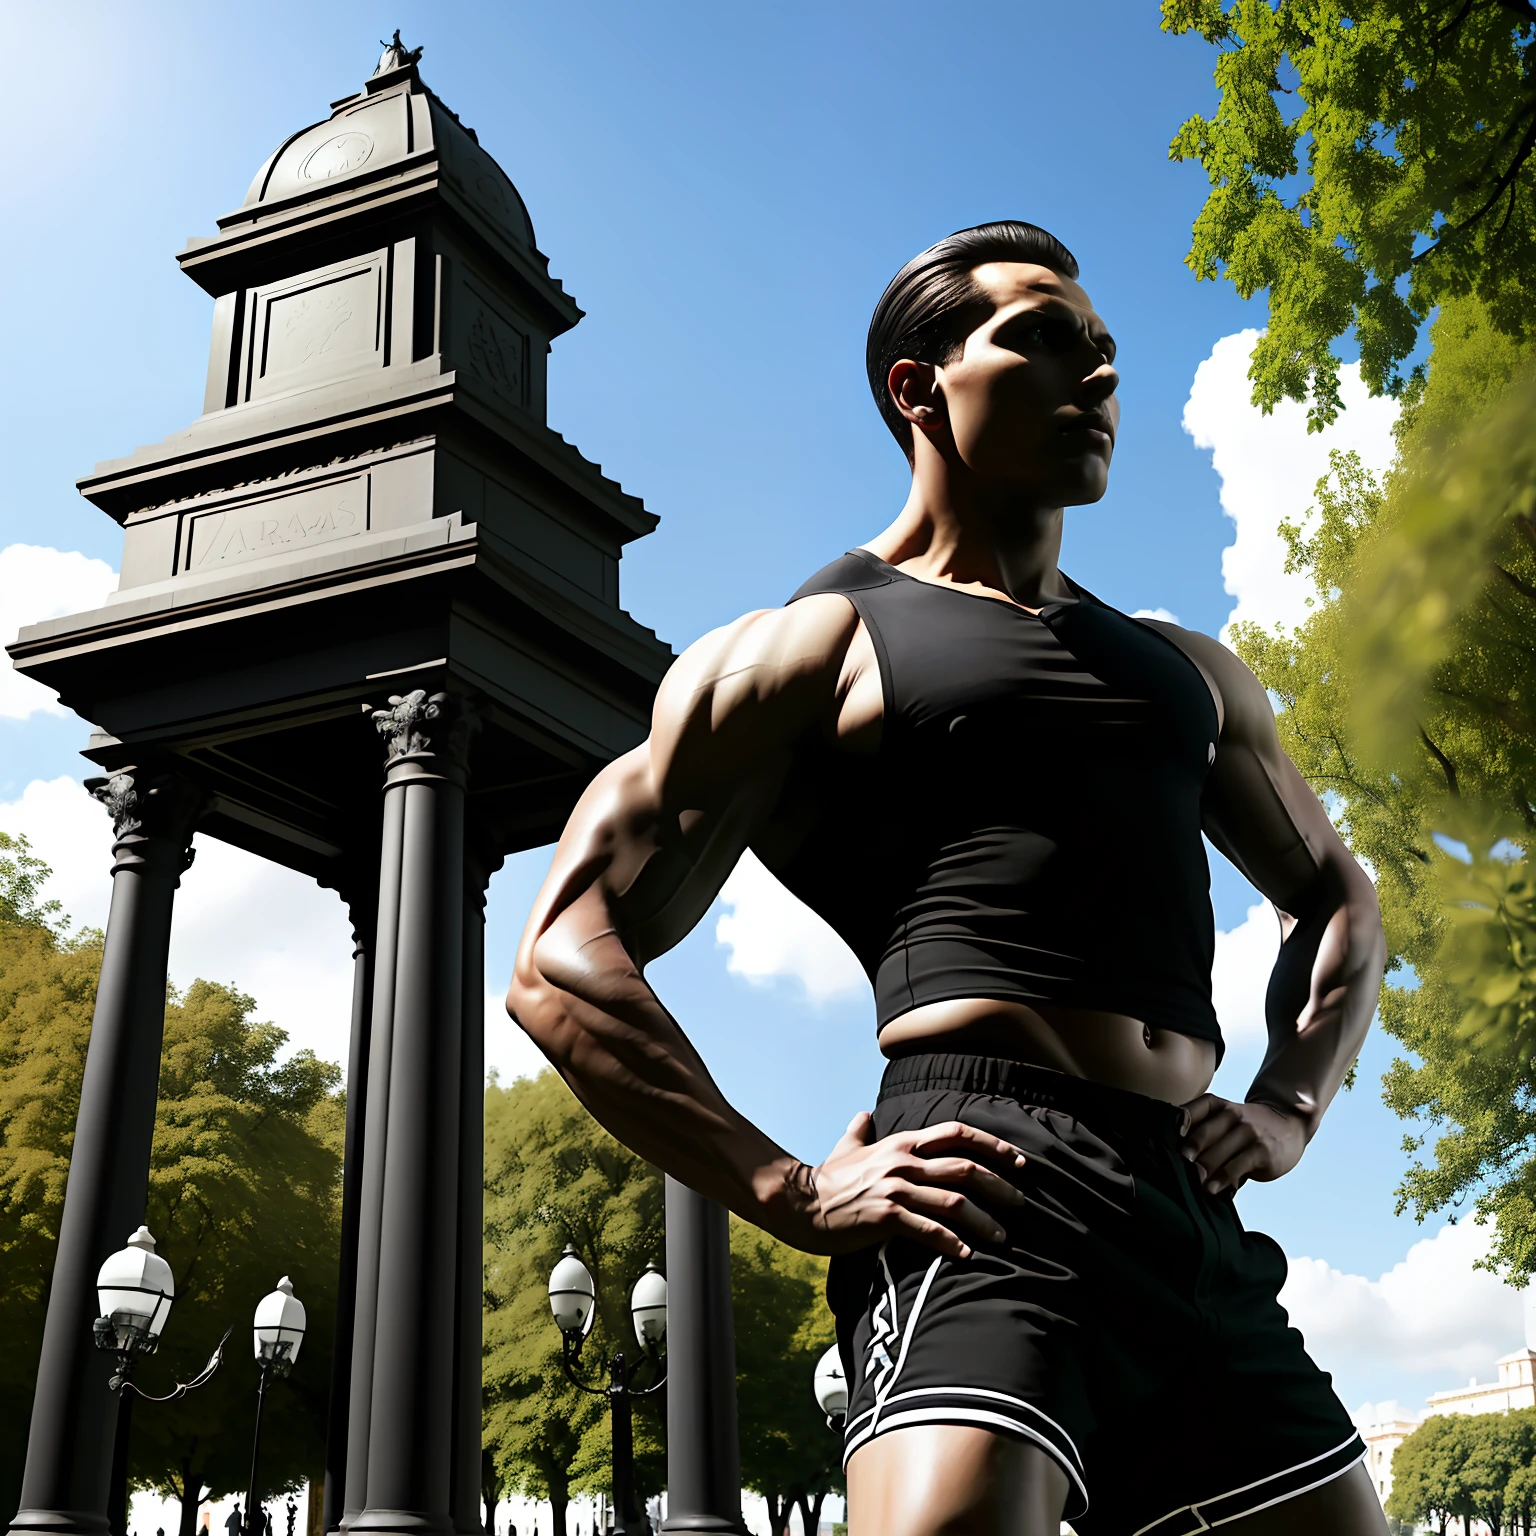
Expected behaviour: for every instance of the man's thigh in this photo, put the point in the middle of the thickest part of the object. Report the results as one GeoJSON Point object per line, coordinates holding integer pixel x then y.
{"type": "Point", "coordinates": [1347, 1506]}
{"type": "Point", "coordinates": [953, 1480]}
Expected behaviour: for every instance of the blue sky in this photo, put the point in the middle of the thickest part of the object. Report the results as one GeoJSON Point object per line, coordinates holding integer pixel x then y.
{"type": "Point", "coordinates": [725, 190]}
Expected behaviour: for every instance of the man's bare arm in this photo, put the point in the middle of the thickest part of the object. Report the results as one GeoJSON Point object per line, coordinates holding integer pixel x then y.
{"type": "Point", "coordinates": [1322, 993]}
{"type": "Point", "coordinates": [642, 858]}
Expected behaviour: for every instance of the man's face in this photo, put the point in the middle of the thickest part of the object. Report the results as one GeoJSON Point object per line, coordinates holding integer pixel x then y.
{"type": "Point", "coordinates": [1031, 399]}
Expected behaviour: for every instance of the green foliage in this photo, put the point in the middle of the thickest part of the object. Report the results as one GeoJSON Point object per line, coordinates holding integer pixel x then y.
{"type": "Point", "coordinates": [554, 1176]}
{"type": "Point", "coordinates": [1409, 701]}
{"type": "Point", "coordinates": [22, 878]}
{"type": "Point", "coordinates": [1467, 1467]}
{"type": "Point", "coordinates": [1426, 1469]}
{"type": "Point", "coordinates": [782, 1329]}
{"type": "Point", "coordinates": [47, 994]}
{"type": "Point", "coordinates": [1367, 162]}
{"type": "Point", "coordinates": [244, 1186]}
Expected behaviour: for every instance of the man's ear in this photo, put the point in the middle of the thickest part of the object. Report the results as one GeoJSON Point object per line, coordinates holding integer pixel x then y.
{"type": "Point", "coordinates": [915, 389]}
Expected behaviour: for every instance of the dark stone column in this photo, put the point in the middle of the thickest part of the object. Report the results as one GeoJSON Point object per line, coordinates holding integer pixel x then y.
{"type": "Point", "coordinates": [370, 1213]}
{"type": "Point", "coordinates": [410, 1435]}
{"type": "Point", "coordinates": [703, 1455]}
{"type": "Point", "coordinates": [364, 913]}
{"type": "Point", "coordinates": [465, 1504]}
{"type": "Point", "coordinates": [74, 1416]}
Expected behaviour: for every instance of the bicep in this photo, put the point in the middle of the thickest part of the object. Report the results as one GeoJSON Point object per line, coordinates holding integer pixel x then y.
{"type": "Point", "coordinates": [659, 830]}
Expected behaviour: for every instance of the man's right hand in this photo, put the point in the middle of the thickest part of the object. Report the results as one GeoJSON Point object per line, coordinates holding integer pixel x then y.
{"type": "Point", "coordinates": [922, 1185]}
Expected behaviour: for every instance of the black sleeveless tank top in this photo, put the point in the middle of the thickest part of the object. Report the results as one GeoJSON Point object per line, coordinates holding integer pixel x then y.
{"type": "Point", "coordinates": [1030, 828]}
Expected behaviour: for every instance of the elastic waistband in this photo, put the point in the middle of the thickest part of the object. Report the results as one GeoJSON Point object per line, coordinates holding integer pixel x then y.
{"type": "Point", "coordinates": [1105, 1109]}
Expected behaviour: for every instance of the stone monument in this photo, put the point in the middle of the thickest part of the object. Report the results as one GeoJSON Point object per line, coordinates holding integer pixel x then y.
{"type": "Point", "coordinates": [370, 539]}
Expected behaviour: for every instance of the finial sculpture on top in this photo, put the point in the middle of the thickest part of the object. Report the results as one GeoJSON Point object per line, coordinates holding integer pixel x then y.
{"type": "Point", "coordinates": [396, 55]}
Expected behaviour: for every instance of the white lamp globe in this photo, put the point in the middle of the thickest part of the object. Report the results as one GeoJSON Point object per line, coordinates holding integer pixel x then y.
{"type": "Point", "coordinates": [648, 1308]}
{"type": "Point", "coordinates": [135, 1289]}
{"type": "Point", "coordinates": [572, 1294]}
{"type": "Point", "coordinates": [279, 1326]}
{"type": "Point", "coordinates": [831, 1385]}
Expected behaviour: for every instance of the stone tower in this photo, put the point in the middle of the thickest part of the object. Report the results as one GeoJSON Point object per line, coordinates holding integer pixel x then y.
{"type": "Point", "coordinates": [368, 627]}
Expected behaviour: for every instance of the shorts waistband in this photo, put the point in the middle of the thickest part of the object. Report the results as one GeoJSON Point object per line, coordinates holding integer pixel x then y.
{"type": "Point", "coordinates": [1097, 1104]}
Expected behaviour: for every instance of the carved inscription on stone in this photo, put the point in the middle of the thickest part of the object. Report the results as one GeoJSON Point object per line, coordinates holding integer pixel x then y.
{"type": "Point", "coordinates": [495, 349]}
{"type": "Point", "coordinates": [287, 524]}
{"type": "Point", "coordinates": [322, 328]}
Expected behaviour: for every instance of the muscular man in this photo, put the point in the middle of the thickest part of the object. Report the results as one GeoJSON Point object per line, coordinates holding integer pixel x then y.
{"type": "Point", "coordinates": [994, 785]}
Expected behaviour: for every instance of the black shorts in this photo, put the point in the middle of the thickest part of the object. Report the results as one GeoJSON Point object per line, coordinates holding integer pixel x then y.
{"type": "Point", "coordinates": [1127, 1324]}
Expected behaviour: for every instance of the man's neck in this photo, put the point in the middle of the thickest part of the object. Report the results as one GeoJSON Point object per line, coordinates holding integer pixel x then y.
{"type": "Point", "coordinates": [952, 530]}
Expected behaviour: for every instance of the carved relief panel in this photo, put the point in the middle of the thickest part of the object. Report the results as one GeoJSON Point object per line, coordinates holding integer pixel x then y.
{"type": "Point", "coordinates": [490, 346]}
{"type": "Point", "coordinates": [316, 327]}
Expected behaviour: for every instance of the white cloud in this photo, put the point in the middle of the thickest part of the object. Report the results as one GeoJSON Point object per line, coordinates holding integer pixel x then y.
{"type": "Point", "coordinates": [1432, 1311]}
{"type": "Point", "coordinates": [508, 1051]}
{"type": "Point", "coordinates": [1386, 1412]}
{"type": "Point", "coordinates": [1269, 467]}
{"type": "Point", "coordinates": [1156, 613]}
{"type": "Point", "coordinates": [1245, 956]}
{"type": "Point", "coordinates": [35, 584]}
{"type": "Point", "coordinates": [771, 933]}
{"type": "Point", "coordinates": [238, 919]}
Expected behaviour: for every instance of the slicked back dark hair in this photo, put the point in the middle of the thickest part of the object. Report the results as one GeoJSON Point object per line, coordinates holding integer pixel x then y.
{"type": "Point", "coordinates": [934, 302]}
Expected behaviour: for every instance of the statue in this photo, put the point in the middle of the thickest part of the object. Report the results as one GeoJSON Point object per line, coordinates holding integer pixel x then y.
{"type": "Point", "coordinates": [995, 786]}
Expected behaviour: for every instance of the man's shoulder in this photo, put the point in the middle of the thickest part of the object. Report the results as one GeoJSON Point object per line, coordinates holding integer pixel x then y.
{"type": "Point", "coordinates": [856, 571]}
{"type": "Point", "coordinates": [1241, 698]}
{"type": "Point", "coordinates": [764, 651]}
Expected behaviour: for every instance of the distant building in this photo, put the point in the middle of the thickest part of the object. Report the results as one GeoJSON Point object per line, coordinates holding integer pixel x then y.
{"type": "Point", "coordinates": [1515, 1388]}
{"type": "Point", "coordinates": [1380, 1442]}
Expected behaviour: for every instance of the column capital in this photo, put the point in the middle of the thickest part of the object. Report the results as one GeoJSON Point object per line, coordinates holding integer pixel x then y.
{"type": "Point", "coordinates": [434, 729]}
{"type": "Point", "coordinates": [147, 805]}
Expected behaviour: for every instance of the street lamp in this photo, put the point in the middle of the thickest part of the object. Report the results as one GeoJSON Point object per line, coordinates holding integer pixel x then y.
{"type": "Point", "coordinates": [573, 1300]}
{"type": "Point", "coordinates": [134, 1290]}
{"type": "Point", "coordinates": [832, 1388]}
{"type": "Point", "coordinates": [278, 1332]}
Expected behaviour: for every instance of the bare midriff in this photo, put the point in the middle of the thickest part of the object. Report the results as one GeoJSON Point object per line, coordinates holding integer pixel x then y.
{"type": "Point", "coordinates": [1107, 1048]}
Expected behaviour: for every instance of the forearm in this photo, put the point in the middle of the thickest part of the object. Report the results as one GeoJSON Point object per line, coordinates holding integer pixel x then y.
{"type": "Point", "coordinates": [1322, 995]}
{"type": "Point", "coordinates": [625, 1057]}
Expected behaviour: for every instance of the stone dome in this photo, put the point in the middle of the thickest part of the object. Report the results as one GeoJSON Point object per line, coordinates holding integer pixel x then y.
{"type": "Point", "coordinates": [394, 124]}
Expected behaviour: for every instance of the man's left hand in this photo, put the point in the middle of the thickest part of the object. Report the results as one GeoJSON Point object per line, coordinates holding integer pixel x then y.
{"type": "Point", "coordinates": [1230, 1143]}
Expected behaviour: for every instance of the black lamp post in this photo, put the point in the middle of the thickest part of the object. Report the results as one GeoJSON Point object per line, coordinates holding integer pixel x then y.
{"type": "Point", "coordinates": [279, 1331]}
{"type": "Point", "coordinates": [134, 1290]}
{"type": "Point", "coordinates": [573, 1300]}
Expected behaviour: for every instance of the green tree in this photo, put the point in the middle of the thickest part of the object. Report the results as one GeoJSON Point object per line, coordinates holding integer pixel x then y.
{"type": "Point", "coordinates": [1520, 1496]}
{"type": "Point", "coordinates": [1367, 162]}
{"type": "Point", "coordinates": [47, 993]}
{"type": "Point", "coordinates": [554, 1176]}
{"type": "Point", "coordinates": [782, 1329]}
{"type": "Point", "coordinates": [243, 1185]}
{"type": "Point", "coordinates": [1427, 1473]}
{"type": "Point", "coordinates": [22, 878]}
{"type": "Point", "coordinates": [1409, 702]}
{"type": "Point", "coordinates": [1499, 1444]}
